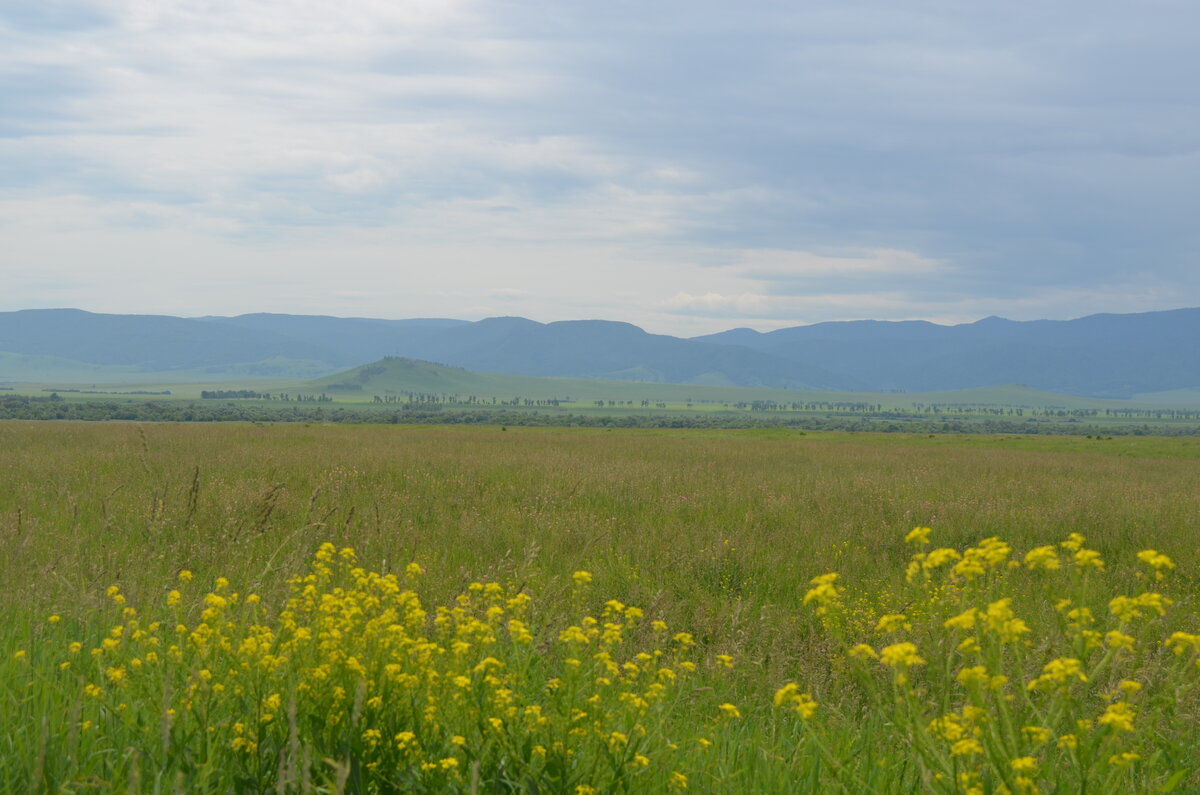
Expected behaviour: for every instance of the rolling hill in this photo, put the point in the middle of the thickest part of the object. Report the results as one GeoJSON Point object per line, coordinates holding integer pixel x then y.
{"type": "Point", "coordinates": [1115, 356]}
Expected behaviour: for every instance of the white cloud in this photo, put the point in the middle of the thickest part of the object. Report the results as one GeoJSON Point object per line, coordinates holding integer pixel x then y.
{"type": "Point", "coordinates": [667, 164]}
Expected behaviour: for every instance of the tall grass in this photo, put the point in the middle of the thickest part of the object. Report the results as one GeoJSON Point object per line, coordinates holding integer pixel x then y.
{"type": "Point", "coordinates": [716, 534]}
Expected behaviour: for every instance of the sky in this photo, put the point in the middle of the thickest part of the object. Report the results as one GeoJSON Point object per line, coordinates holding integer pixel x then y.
{"type": "Point", "coordinates": [687, 166]}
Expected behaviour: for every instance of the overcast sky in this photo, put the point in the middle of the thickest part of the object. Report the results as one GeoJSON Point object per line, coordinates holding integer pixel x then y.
{"type": "Point", "coordinates": [685, 166]}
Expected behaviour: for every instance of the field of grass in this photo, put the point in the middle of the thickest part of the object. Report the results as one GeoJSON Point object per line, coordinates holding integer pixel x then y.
{"type": "Point", "coordinates": [718, 534]}
{"type": "Point", "coordinates": [404, 391]}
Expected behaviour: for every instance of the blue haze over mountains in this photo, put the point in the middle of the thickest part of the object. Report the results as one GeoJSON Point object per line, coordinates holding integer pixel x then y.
{"type": "Point", "coordinates": [1100, 355]}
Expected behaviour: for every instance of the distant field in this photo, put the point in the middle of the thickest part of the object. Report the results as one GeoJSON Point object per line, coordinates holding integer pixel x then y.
{"type": "Point", "coordinates": [717, 533]}
{"type": "Point", "coordinates": [401, 391]}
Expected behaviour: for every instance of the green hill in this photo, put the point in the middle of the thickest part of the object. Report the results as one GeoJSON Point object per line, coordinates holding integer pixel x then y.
{"type": "Point", "coordinates": [396, 376]}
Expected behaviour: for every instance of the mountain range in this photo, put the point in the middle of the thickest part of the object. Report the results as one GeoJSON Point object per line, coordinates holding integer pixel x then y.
{"type": "Point", "coordinates": [1104, 355]}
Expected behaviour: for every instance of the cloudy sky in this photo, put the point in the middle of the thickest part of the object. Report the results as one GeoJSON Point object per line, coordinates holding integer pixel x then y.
{"type": "Point", "coordinates": [686, 166]}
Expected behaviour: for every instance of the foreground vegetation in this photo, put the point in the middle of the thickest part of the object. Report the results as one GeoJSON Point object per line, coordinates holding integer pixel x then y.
{"type": "Point", "coordinates": [230, 607]}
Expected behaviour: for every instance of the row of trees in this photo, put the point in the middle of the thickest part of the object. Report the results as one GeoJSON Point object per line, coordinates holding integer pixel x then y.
{"type": "Point", "coordinates": [48, 408]}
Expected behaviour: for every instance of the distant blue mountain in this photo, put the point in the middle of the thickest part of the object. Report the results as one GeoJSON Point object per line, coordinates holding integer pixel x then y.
{"type": "Point", "coordinates": [1099, 355]}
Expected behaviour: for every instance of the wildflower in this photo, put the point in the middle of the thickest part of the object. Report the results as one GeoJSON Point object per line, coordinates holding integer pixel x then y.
{"type": "Point", "coordinates": [519, 632]}
{"type": "Point", "coordinates": [977, 560]}
{"type": "Point", "coordinates": [1179, 642]}
{"type": "Point", "coordinates": [729, 711]}
{"type": "Point", "coordinates": [1059, 672]}
{"type": "Point", "coordinates": [1081, 616]}
{"type": "Point", "coordinates": [581, 578]}
{"type": "Point", "coordinates": [1001, 621]}
{"type": "Point", "coordinates": [678, 781]}
{"type": "Point", "coordinates": [978, 675]}
{"type": "Point", "coordinates": [173, 598]}
{"type": "Point", "coordinates": [824, 592]}
{"type": "Point", "coordinates": [1129, 686]}
{"type": "Point", "coordinates": [939, 557]}
{"type": "Point", "coordinates": [724, 661]}
{"type": "Point", "coordinates": [1089, 557]}
{"type": "Point", "coordinates": [1129, 608]}
{"type": "Point", "coordinates": [1123, 759]}
{"type": "Point", "coordinates": [892, 622]}
{"type": "Point", "coordinates": [1119, 640]}
{"type": "Point", "coordinates": [1119, 716]}
{"type": "Point", "coordinates": [1069, 741]}
{"type": "Point", "coordinates": [918, 535]}
{"type": "Point", "coordinates": [1073, 543]}
{"type": "Point", "coordinates": [54, 619]}
{"type": "Point", "coordinates": [900, 655]}
{"type": "Point", "coordinates": [948, 727]}
{"type": "Point", "coordinates": [1157, 561]}
{"type": "Point", "coordinates": [1036, 734]}
{"type": "Point", "coordinates": [862, 651]}
{"type": "Point", "coordinates": [684, 639]}
{"type": "Point", "coordinates": [789, 695]}
{"type": "Point", "coordinates": [1024, 764]}
{"type": "Point", "coordinates": [1042, 558]}
{"type": "Point", "coordinates": [963, 621]}
{"type": "Point", "coordinates": [966, 747]}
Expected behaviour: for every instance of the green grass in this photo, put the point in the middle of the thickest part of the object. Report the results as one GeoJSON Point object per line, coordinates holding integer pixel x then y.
{"type": "Point", "coordinates": [717, 533]}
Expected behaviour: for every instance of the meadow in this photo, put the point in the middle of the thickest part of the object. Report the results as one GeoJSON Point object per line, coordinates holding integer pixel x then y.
{"type": "Point", "coordinates": [268, 607]}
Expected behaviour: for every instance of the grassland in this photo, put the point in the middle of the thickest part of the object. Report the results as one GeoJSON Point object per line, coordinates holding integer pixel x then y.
{"type": "Point", "coordinates": [403, 391]}
{"type": "Point", "coordinates": [716, 533]}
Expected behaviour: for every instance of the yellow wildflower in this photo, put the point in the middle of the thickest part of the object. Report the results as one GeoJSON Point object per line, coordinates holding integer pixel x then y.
{"type": "Point", "coordinates": [862, 651]}
{"type": "Point", "coordinates": [1157, 561]}
{"type": "Point", "coordinates": [1073, 543]}
{"type": "Point", "coordinates": [1036, 734]}
{"type": "Point", "coordinates": [900, 655]}
{"type": "Point", "coordinates": [1119, 640]}
{"type": "Point", "coordinates": [824, 592]}
{"type": "Point", "coordinates": [918, 535]}
{"type": "Point", "coordinates": [1042, 558]}
{"type": "Point", "coordinates": [964, 620]}
{"type": "Point", "coordinates": [892, 622]}
{"type": "Point", "coordinates": [1119, 716]}
{"type": "Point", "coordinates": [1059, 673]}
{"type": "Point", "coordinates": [966, 747]}
{"type": "Point", "coordinates": [1179, 642]}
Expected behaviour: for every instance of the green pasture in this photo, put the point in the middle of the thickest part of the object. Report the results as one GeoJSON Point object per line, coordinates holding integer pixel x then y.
{"type": "Point", "coordinates": [714, 532]}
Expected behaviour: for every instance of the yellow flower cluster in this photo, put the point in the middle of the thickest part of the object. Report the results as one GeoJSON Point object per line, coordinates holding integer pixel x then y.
{"type": "Point", "coordinates": [966, 643]}
{"type": "Point", "coordinates": [354, 659]}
